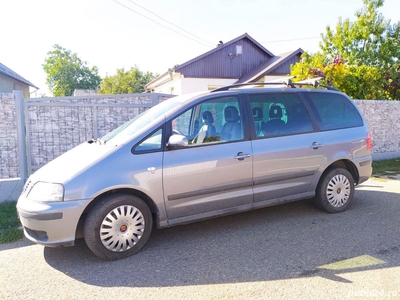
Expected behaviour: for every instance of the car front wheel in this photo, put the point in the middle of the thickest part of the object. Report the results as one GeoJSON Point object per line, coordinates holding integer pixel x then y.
{"type": "Point", "coordinates": [335, 190]}
{"type": "Point", "coordinates": [118, 226]}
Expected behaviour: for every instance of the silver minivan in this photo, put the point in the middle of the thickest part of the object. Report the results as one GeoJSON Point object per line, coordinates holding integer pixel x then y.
{"type": "Point", "coordinates": [198, 156]}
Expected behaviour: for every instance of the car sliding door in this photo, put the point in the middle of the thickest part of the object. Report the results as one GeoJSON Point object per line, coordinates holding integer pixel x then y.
{"type": "Point", "coordinates": [287, 151]}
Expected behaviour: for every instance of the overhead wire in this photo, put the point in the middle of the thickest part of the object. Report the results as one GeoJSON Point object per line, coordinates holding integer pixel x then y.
{"type": "Point", "coordinates": [198, 39]}
{"type": "Point", "coordinates": [127, 7]}
{"type": "Point", "coordinates": [171, 23]}
{"type": "Point", "coordinates": [290, 40]}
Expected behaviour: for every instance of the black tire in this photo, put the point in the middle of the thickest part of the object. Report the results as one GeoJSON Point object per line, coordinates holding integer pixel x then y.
{"type": "Point", "coordinates": [118, 226]}
{"type": "Point", "coordinates": [335, 190]}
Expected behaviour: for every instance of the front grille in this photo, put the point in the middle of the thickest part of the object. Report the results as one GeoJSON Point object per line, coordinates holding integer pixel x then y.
{"type": "Point", "coordinates": [27, 187]}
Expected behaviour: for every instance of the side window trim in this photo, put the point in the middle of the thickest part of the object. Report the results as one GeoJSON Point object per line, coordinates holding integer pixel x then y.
{"type": "Point", "coordinates": [311, 110]}
{"type": "Point", "coordinates": [246, 115]}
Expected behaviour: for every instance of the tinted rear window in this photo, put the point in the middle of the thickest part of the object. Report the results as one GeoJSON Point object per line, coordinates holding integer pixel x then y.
{"type": "Point", "coordinates": [335, 111]}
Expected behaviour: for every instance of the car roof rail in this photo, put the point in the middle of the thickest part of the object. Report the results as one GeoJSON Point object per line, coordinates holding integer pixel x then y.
{"type": "Point", "coordinates": [289, 83]}
{"type": "Point", "coordinates": [238, 85]}
{"type": "Point", "coordinates": [312, 82]}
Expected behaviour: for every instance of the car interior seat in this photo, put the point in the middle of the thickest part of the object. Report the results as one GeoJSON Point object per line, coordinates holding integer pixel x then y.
{"type": "Point", "coordinates": [208, 129]}
{"type": "Point", "coordinates": [275, 124]}
{"type": "Point", "coordinates": [232, 129]}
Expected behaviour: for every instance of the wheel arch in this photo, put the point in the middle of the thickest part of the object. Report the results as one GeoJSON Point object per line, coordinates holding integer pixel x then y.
{"type": "Point", "coordinates": [345, 164]}
{"type": "Point", "coordinates": [149, 202]}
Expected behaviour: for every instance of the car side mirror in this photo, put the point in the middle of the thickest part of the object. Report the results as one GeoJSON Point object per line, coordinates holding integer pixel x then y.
{"type": "Point", "coordinates": [177, 141]}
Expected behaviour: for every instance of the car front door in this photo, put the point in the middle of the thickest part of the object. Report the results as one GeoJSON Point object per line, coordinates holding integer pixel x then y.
{"type": "Point", "coordinates": [213, 175]}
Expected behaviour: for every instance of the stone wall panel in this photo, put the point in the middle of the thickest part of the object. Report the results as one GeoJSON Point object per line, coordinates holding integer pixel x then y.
{"type": "Point", "coordinates": [383, 119]}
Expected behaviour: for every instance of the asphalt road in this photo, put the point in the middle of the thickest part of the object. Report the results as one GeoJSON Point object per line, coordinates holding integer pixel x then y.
{"type": "Point", "coordinates": [292, 251]}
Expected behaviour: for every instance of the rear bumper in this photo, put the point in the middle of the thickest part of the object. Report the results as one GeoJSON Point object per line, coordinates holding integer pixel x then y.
{"type": "Point", "coordinates": [364, 166]}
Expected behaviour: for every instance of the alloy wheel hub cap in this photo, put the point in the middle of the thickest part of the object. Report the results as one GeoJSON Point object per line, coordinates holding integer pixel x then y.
{"type": "Point", "coordinates": [122, 228]}
{"type": "Point", "coordinates": [338, 190]}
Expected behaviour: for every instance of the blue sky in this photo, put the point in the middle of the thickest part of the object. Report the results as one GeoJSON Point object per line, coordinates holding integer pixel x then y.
{"type": "Point", "coordinates": [112, 34]}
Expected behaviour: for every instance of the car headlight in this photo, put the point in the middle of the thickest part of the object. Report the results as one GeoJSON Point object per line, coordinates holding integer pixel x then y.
{"type": "Point", "coordinates": [46, 191]}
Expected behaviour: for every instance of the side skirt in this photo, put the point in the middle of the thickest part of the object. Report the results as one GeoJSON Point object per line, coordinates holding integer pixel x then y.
{"type": "Point", "coordinates": [236, 209]}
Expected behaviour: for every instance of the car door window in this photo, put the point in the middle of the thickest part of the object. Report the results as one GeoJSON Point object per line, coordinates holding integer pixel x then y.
{"type": "Point", "coordinates": [279, 114]}
{"type": "Point", "coordinates": [213, 121]}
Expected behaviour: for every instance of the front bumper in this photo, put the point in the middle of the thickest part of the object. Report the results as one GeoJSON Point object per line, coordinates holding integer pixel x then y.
{"type": "Point", "coordinates": [50, 224]}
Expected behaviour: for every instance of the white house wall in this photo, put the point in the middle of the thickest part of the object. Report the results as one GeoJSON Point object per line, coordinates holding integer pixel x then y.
{"type": "Point", "coordinates": [190, 85]}
{"type": "Point", "coordinates": [8, 85]}
{"type": "Point", "coordinates": [181, 85]}
{"type": "Point", "coordinates": [166, 85]}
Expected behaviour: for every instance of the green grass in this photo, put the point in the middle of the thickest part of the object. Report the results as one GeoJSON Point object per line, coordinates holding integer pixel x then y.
{"type": "Point", "coordinates": [388, 168]}
{"type": "Point", "coordinates": [9, 223]}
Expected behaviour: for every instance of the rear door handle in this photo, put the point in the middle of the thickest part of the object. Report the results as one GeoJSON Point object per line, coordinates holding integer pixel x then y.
{"type": "Point", "coordinates": [242, 156]}
{"type": "Point", "coordinates": [315, 145]}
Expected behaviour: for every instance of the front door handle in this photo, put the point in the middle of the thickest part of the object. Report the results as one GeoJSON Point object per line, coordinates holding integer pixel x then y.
{"type": "Point", "coordinates": [315, 145]}
{"type": "Point", "coordinates": [242, 156]}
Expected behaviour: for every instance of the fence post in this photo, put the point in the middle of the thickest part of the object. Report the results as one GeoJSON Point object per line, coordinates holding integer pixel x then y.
{"type": "Point", "coordinates": [154, 99]}
{"type": "Point", "coordinates": [21, 133]}
{"type": "Point", "coordinates": [95, 123]}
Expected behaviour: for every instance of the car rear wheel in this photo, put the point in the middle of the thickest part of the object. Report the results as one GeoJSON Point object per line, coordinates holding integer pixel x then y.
{"type": "Point", "coordinates": [118, 226]}
{"type": "Point", "coordinates": [335, 190]}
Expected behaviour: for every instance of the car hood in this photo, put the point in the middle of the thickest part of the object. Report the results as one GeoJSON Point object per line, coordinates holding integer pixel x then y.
{"type": "Point", "coordinates": [72, 163]}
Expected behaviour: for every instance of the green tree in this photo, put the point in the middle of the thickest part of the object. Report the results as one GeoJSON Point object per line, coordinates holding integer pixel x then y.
{"type": "Point", "coordinates": [67, 72]}
{"type": "Point", "coordinates": [359, 82]}
{"type": "Point", "coordinates": [126, 82]}
{"type": "Point", "coordinates": [370, 40]}
{"type": "Point", "coordinates": [360, 58]}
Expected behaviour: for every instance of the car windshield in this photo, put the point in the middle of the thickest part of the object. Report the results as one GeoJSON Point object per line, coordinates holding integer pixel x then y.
{"type": "Point", "coordinates": [128, 129]}
{"type": "Point", "coordinates": [132, 126]}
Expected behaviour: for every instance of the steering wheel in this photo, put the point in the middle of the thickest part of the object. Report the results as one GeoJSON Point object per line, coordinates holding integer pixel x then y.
{"type": "Point", "coordinates": [175, 131]}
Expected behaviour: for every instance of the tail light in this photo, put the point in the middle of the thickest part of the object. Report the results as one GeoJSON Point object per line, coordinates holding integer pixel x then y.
{"type": "Point", "coordinates": [369, 141]}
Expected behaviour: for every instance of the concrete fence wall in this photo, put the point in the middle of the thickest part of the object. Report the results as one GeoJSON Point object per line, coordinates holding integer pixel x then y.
{"type": "Point", "coordinates": [383, 119]}
{"type": "Point", "coordinates": [35, 131]}
{"type": "Point", "coordinates": [56, 125]}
